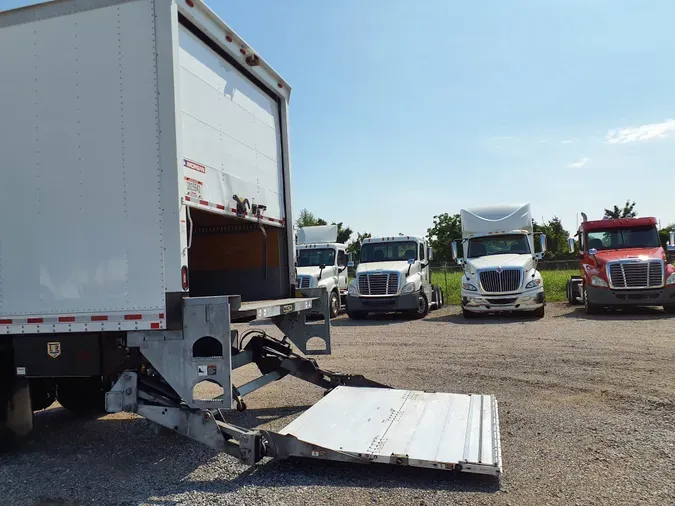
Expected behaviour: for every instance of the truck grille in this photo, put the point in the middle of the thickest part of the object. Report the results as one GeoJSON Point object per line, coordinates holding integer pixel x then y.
{"type": "Point", "coordinates": [508, 280]}
{"type": "Point", "coordinates": [385, 283]}
{"type": "Point", "coordinates": [635, 274]}
{"type": "Point", "coordinates": [303, 281]}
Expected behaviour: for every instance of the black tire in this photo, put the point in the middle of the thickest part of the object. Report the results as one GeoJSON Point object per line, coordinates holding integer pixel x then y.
{"type": "Point", "coordinates": [442, 297]}
{"type": "Point", "coordinates": [568, 290]}
{"type": "Point", "coordinates": [81, 395]}
{"type": "Point", "coordinates": [588, 306]}
{"type": "Point", "coordinates": [669, 309]}
{"type": "Point", "coordinates": [539, 312]}
{"type": "Point", "coordinates": [357, 315]}
{"type": "Point", "coordinates": [435, 299]}
{"type": "Point", "coordinates": [422, 307]}
{"type": "Point", "coordinates": [334, 303]}
{"type": "Point", "coordinates": [468, 315]}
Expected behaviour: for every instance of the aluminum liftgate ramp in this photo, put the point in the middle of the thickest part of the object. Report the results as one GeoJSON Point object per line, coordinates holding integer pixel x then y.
{"type": "Point", "coordinates": [358, 420]}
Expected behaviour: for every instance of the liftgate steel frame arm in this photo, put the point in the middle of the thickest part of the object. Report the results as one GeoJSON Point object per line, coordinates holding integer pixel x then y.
{"type": "Point", "coordinates": [154, 396]}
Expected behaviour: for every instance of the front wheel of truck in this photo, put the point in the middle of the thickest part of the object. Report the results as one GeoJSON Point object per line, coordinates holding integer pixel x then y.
{"type": "Point", "coordinates": [356, 315]}
{"type": "Point", "coordinates": [422, 307]}
{"type": "Point", "coordinates": [468, 315]}
{"type": "Point", "coordinates": [539, 312]}
{"type": "Point", "coordinates": [589, 306]}
{"type": "Point", "coordinates": [334, 304]}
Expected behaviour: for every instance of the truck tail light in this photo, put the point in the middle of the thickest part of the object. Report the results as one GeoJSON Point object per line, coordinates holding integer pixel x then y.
{"type": "Point", "coordinates": [184, 277]}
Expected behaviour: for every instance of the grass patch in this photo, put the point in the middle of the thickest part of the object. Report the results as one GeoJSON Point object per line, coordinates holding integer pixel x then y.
{"type": "Point", "coordinates": [554, 284]}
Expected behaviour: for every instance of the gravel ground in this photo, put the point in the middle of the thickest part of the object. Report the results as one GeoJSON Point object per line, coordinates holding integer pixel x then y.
{"type": "Point", "coordinates": [587, 412]}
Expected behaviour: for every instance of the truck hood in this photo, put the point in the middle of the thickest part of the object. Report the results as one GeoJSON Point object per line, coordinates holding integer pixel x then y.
{"type": "Point", "coordinates": [505, 260]}
{"type": "Point", "coordinates": [605, 256]}
{"type": "Point", "coordinates": [314, 271]}
{"type": "Point", "coordinates": [401, 267]}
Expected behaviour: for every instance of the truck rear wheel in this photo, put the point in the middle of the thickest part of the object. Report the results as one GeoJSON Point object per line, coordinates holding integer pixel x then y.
{"type": "Point", "coordinates": [81, 395]}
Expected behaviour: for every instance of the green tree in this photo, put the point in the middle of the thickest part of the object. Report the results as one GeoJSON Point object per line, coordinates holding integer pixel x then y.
{"type": "Point", "coordinates": [627, 211]}
{"type": "Point", "coordinates": [445, 229]}
{"type": "Point", "coordinates": [556, 237]}
{"type": "Point", "coordinates": [355, 246]}
{"type": "Point", "coordinates": [344, 234]}
{"type": "Point", "coordinates": [664, 234]}
{"type": "Point", "coordinates": [307, 219]}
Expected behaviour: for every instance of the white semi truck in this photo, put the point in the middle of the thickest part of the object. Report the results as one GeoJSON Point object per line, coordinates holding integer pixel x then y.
{"type": "Point", "coordinates": [393, 275]}
{"type": "Point", "coordinates": [500, 263]}
{"type": "Point", "coordinates": [322, 262]}
{"type": "Point", "coordinates": [146, 208]}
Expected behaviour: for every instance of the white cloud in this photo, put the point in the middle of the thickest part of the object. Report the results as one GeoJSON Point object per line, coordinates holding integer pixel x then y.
{"type": "Point", "coordinates": [641, 133]}
{"type": "Point", "coordinates": [567, 141]}
{"type": "Point", "coordinates": [579, 164]}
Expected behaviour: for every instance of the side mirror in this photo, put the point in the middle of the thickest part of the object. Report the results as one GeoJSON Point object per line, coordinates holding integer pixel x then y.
{"type": "Point", "coordinates": [455, 254]}
{"type": "Point", "coordinates": [322, 266]}
{"type": "Point", "coordinates": [430, 253]}
{"type": "Point", "coordinates": [411, 261]}
{"type": "Point", "coordinates": [671, 244]}
{"type": "Point", "coordinates": [542, 242]}
{"type": "Point", "coordinates": [570, 244]}
{"type": "Point", "coordinates": [592, 251]}
{"type": "Point", "coordinates": [350, 263]}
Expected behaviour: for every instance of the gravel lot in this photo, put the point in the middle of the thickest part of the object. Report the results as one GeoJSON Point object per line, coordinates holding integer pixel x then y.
{"type": "Point", "coordinates": [587, 408]}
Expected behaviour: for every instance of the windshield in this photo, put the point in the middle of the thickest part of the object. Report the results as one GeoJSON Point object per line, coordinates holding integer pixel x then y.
{"type": "Point", "coordinates": [316, 257]}
{"type": "Point", "coordinates": [620, 238]}
{"type": "Point", "coordinates": [515, 244]}
{"type": "Point", "coordinates": [388, 251]}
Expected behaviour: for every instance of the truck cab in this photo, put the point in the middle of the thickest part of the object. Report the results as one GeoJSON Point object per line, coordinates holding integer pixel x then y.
{"type": "Point", "coordinates": [500, 262]}
{"type": "Point", "coordinates": [622, 263]}
{"type": "Point", "coordinates": [322, 262]}
{"type": "Point", "coordinates": [393, 275]}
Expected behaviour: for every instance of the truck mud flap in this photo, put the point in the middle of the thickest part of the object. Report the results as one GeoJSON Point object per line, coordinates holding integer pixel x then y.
{"type": "Point", "coordinates": [400, 427]}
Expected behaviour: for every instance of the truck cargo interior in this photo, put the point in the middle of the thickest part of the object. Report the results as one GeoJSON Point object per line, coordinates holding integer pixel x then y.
{"type": "Point", "coordinates": [229, 255]}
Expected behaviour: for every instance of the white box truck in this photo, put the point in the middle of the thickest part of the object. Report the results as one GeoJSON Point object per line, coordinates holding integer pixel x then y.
{"type": "Point", "coordinates": [500, 263]}
{"type": "Point", "coordinates": [146, 208]}
{"type": "Point", "coordinates": [322, 262]}
{"type": "Point", "coordinates": [393, 275]}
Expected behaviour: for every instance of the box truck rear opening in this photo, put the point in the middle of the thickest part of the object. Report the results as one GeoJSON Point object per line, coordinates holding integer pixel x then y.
{"type": "Point", "coordinates": [147, 198]}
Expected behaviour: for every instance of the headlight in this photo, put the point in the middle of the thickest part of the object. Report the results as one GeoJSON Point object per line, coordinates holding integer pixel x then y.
{"type": "Point", "coordinates": [410, 287]}
{"type": "Point", "coordinates": [671, 279]}
{"type": "Point", "coordinates": [353, 288]}
{"type": "Point", "coordinates": [534, 283]}
{"type": "Point", "coordinates": [470, 287]}
{"type": "Point", "coordinates": [598, 281]}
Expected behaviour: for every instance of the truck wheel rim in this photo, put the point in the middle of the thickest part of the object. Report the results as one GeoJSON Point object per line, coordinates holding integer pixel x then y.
{"type": "Point", "coordinates": [421, 303]}
{"type": "Point", "coordinates": [334, 304]}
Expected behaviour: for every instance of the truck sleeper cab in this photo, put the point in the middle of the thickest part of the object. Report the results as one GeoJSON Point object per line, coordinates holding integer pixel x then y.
{"type": "Point", "coordinates": [393, 276]}
{"type": "Point", "coordinates": [500, 267]}
{"type": "Point", "coordinates": [622, 264]}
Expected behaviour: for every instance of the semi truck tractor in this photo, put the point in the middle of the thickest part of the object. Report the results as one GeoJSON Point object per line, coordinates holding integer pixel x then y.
{"type": "Point", "coordinates": [622, 264]}
{"type": "Point", "coordinates": [146, 203]}
{"type": "Point", "coordinates": [500, 263]}
{"type": "Point", "coordinates": [322, 262]}
{"type": "Point", "coordinates": [393, 275]}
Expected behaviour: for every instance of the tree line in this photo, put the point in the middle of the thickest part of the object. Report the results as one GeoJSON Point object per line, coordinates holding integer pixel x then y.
{"type": "Point", "coordinates": [447, 227]}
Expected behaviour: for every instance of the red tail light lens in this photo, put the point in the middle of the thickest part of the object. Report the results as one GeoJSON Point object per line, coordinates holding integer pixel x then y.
{"type": "Point", "coordinates": [184, 277]}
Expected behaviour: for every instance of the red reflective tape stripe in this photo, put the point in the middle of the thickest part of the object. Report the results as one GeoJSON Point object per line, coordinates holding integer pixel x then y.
{"type": "Point", "coordinates": [5, 322]}
{"type": "Point", "coordinates": [133, 316]}
{"type": "Point", "coordinates": [187, 198]}
{"type": "Point", "coordinates": [35, 320]}
{"type": "Point", "coordinates": [154, 325]}
{"type": "Point", "coordinates": [66, 319]}
{"type": "Point", "coordinates": [161, 316]}
{"type": "Point", "coordinates": [220, 206]}
{"type": "Point", "coordinates": [204, 202]}
{"type": "Point", "coordinates": [99, 318]}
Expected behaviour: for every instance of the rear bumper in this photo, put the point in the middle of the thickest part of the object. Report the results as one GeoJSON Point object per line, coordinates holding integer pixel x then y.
{"type": "Point", "coordinates": [526, 301]}
{"type": "Point", "coordinates": [649, 297]}
{"type": "Point", "coordinates": [405, 302]}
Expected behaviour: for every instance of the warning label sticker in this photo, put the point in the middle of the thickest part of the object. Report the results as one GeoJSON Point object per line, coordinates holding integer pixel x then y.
{"type": "Point", "coordinates": [194, 188]}
{"type": "Point", "coordinates": [194, 166]}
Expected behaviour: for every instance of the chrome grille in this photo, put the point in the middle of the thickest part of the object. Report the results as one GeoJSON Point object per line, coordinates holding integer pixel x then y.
{"type": "Point", "coordinates": [635, 274]}
{"type": "Point", "coordinates": [508, 280]}
{"type": "Point", "coordinates": [385, 283]}
{"type": "Point", "coordinates": [303, 281]}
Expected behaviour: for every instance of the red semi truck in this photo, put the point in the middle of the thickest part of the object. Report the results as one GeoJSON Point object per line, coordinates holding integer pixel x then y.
{"type": "Point", "coordinates": [622, 264]}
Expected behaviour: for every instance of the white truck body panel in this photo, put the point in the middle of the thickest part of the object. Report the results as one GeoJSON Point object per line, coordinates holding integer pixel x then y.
{"type": "Point", "coordinates": [317, 234]}
{"type": "Point", "coordinates": [496, 220]}
{"type": "Point", "coordinates": [108, 98]}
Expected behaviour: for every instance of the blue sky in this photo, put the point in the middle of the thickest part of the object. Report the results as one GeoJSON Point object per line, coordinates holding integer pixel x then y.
{"type": "Point", "coordinates": [402, 110]}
